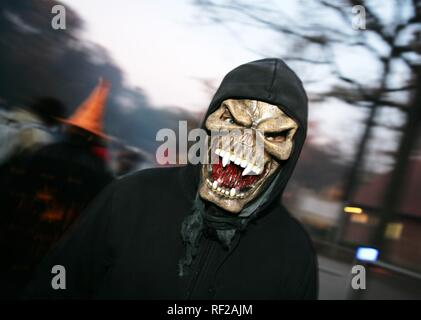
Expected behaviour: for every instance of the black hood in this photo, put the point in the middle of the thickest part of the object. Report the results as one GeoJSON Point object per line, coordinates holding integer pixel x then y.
{"type": "Point", "coordinates": [272, 81]}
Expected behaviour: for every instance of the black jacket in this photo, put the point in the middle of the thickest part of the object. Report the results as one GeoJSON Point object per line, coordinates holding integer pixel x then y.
{"type": "Point", "coordinates": [128, 244]}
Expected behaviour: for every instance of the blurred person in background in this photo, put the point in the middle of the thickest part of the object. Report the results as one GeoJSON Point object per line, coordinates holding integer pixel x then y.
{"type": "Point", "coordinates": [43, 192]}
{"type": "Point", "coordinates": [25, 129]}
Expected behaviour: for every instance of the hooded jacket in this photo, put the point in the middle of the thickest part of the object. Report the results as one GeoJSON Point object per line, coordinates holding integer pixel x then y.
{"type": "Point", "coordinates": [128, 244]}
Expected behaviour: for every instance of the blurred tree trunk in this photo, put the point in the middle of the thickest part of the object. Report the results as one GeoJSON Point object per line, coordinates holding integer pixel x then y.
{"type": "Point", "coordinates": [395, 187]}
{"type": "Point", "coordinates": [352, 181]}
{"type": "Point", "coordinates": [353, 177]}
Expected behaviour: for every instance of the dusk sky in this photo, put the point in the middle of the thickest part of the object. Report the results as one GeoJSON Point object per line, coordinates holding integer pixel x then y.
{"type": "Point", "coordinates": [164, 48]}
{"type": "Point", "coordinates": [169, 49]}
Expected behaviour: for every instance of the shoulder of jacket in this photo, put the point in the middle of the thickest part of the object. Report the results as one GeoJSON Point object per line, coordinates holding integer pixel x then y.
{"type": "Point", "coordinates": [142, 182]}
{"type": "Point", "coordinates": [143, 176]}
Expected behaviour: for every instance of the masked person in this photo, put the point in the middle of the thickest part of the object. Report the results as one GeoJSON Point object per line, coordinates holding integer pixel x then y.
{"type": "Point", "coordinates": [45, 190]}
{"type": "Point", "coordinates": [208, 231]}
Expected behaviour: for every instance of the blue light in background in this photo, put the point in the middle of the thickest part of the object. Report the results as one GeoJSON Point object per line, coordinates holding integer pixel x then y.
{"type": "Point", "coordinates": [367, 254]}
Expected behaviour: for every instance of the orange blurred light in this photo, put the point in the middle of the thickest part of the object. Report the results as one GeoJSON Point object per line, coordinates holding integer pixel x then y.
{"type": "Point", "coordinates": [359, 218]}
{"type": "Point", "coordinates": [52, 215]}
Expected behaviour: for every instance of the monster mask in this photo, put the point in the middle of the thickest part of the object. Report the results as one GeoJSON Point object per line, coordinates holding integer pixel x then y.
{"type": "Point", "coordinates": [264, 101]}
{"type": "Point", "coordinates": [244, 162]}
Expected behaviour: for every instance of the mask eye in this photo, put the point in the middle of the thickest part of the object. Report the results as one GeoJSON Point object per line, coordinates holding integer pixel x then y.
{"type": "Point", "coordinates": [276, 136]}
{"type": "Point", "coordinates": [227, 117]}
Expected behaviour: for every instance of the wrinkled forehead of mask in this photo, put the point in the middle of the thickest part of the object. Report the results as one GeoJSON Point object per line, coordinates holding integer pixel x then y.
{"type": "Point", "coordinates": [253, 113]}
{"type": "Point", "coordinates": [268, 122]}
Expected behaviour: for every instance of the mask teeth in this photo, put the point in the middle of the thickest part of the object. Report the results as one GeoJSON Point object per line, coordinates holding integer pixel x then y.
{"type": "Point", "coordinates": [249, 167]}
{"type": "Point", "coordinates": [226, 192]}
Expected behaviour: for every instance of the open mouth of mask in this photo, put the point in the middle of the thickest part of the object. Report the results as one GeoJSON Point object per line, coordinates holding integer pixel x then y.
{"type": "Point", "coordinates": [233, 177]}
